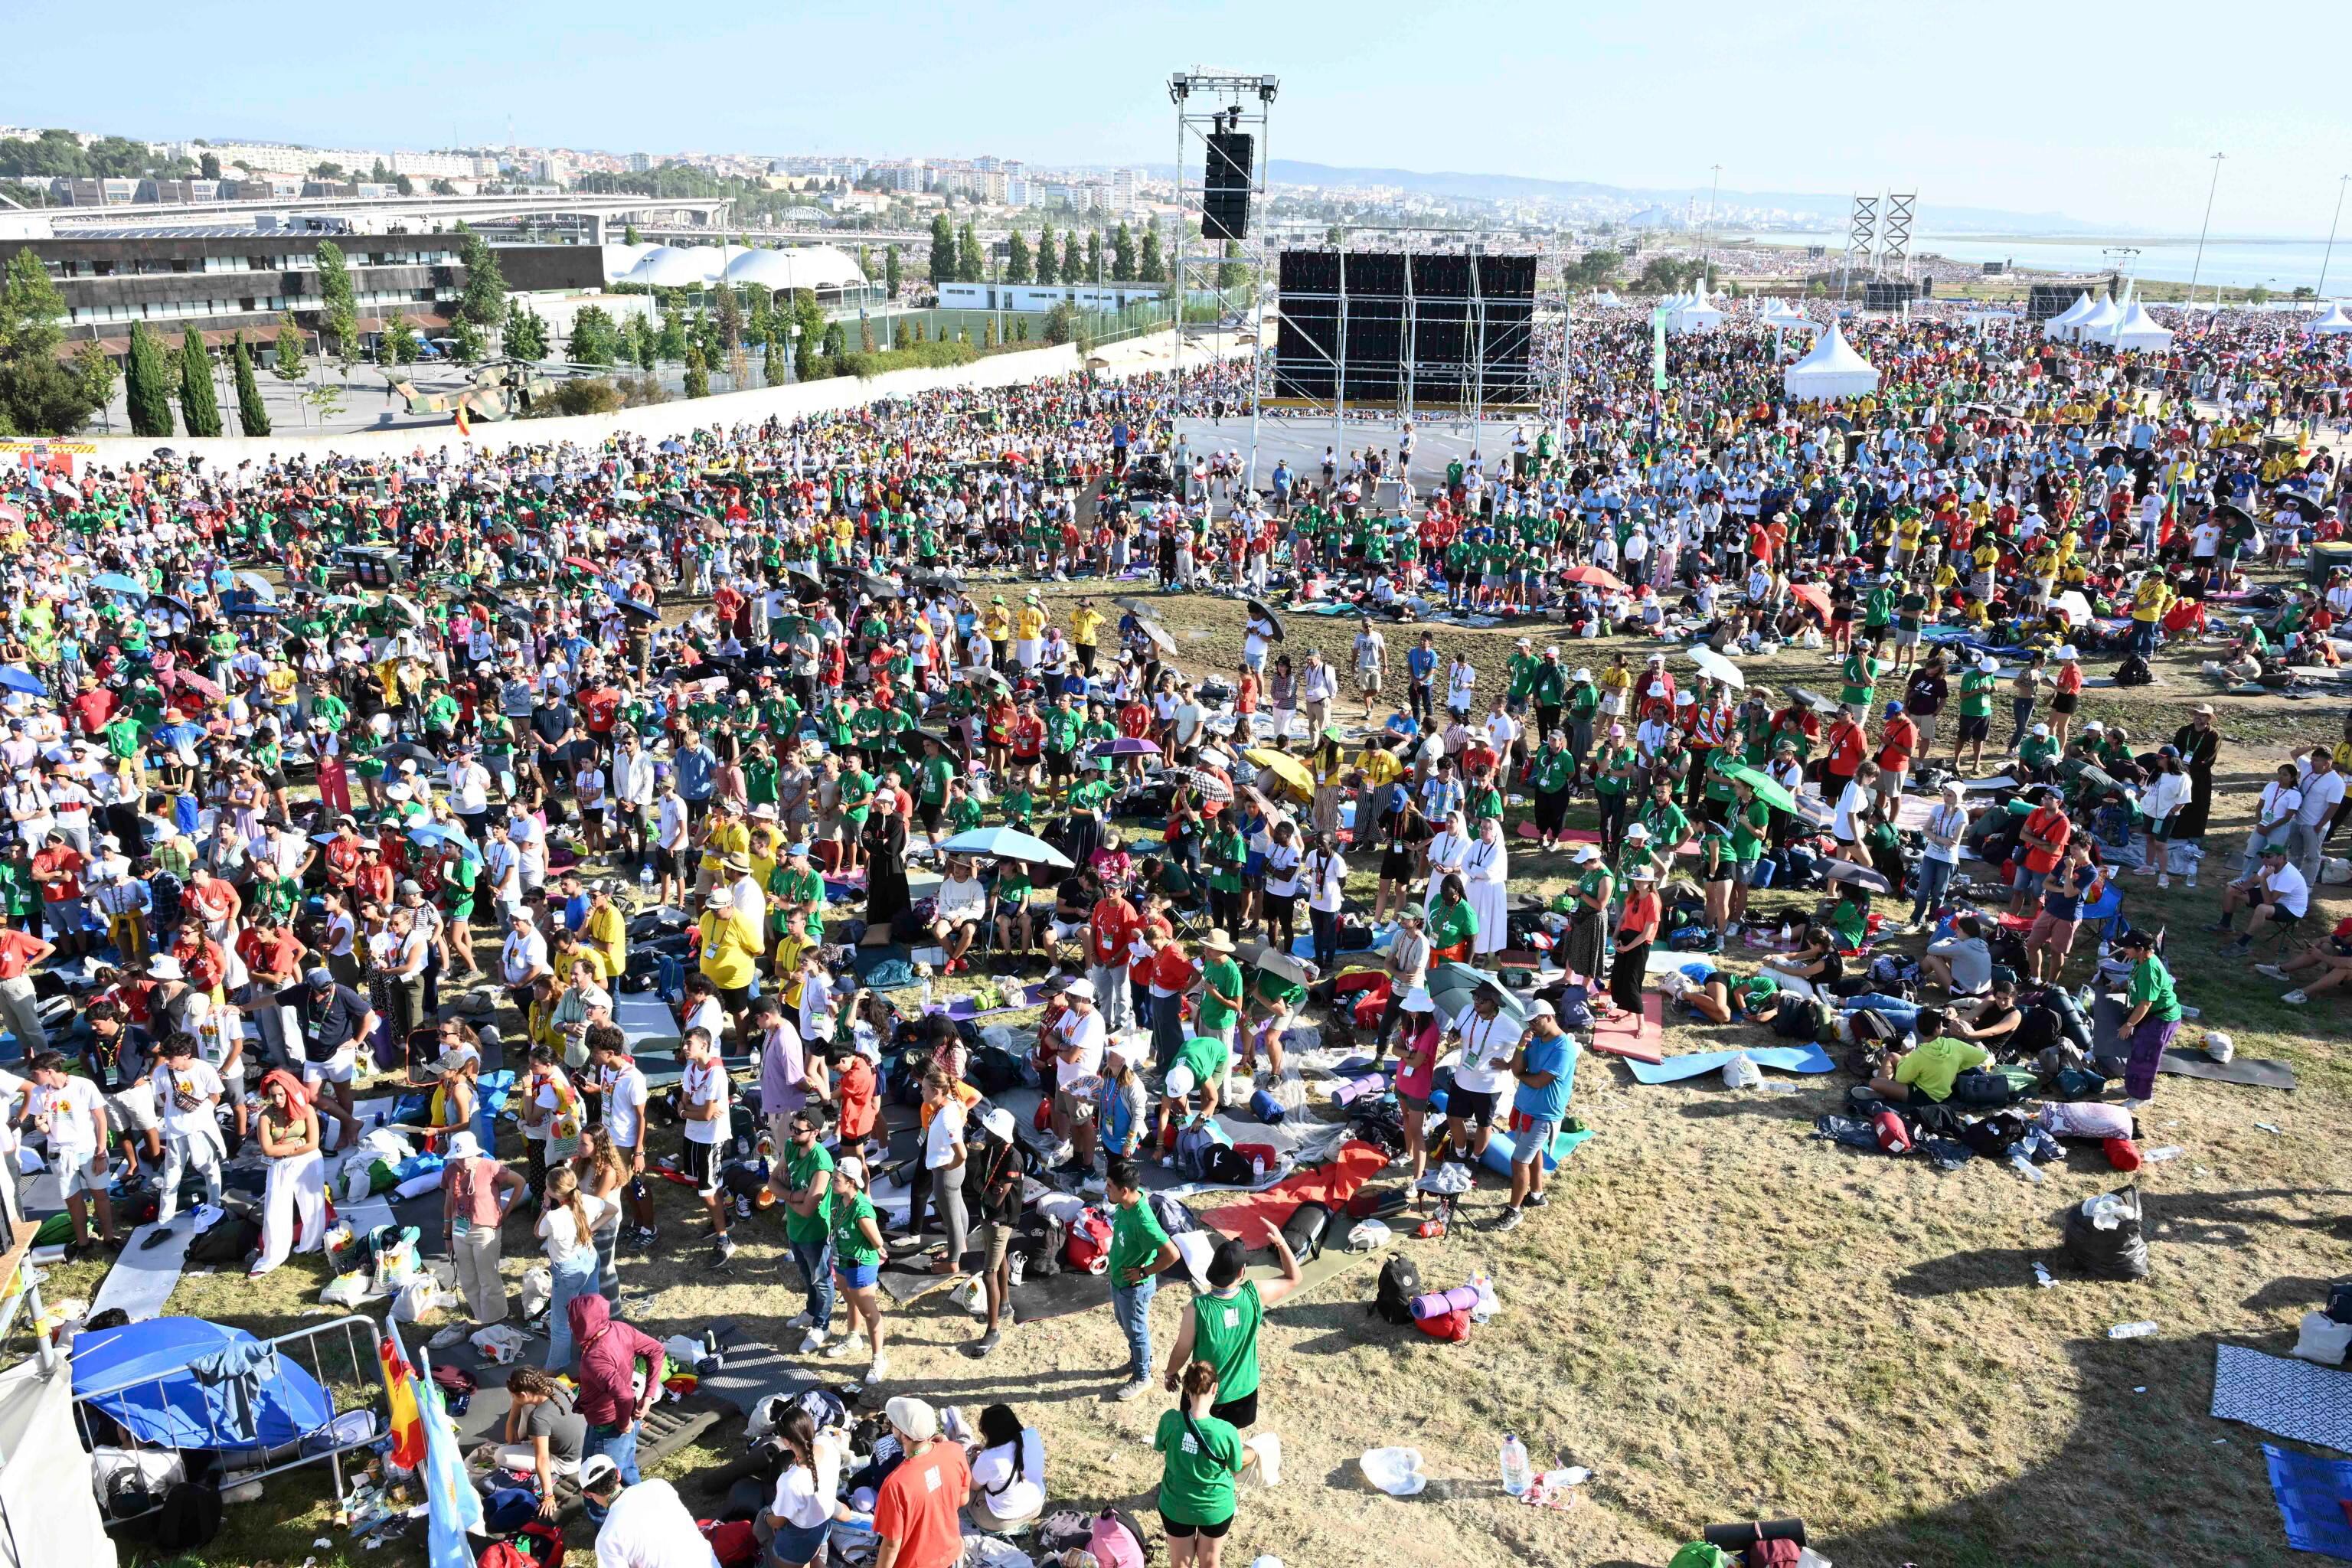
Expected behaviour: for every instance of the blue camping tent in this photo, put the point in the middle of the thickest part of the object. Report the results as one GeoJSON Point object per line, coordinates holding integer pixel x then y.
{"type": "Point", "coordinates": [146, 1376]}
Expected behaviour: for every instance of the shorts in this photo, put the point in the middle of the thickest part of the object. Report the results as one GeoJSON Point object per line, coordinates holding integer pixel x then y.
{"type": "Point", "coordinates": [1414, 1102]}
{"type": "Point", "coordinates": [2064, 702]}
{"type": "Point", "coordinates": [340, 1067]}
{"type": "Point", "coordinates": [2051, 934]}
{"type": "Point", "coordinates": [2030, 882]}
{"type": "Point", "coordinates": [1186, 1532]}
{"type": "Point", "coordinates": [1369, 681]}
{"type": "Point", "coordinates": [857, 1275]}
{"type": "Point", "coordinates": [1975, 726]}
{"type": "Point", "coordinates": [71, 1168]}
{"type": "Point", "coordinates": [698, 1163]}
{"type": "Point", "coordinates": [133, 1110]}
{"type": "Point", "coordinates": [1242, 1412]}
{"type": "Point", "coordinates": [1906, 638]}
{"type": "Point", "coordinates": [664, 863]}
{"type": "Point", "coordinates": [1744, 871]}
{"type": "Point", "coordinates": [1528, 1146]}
{"type": "Point", "coordinates": [1471, 1108]}
{"type": "Point", "coordinates": [1057, 764]}
{"type": "Point", "coordinates": [2282, 920]}
{"type": "Point", "coordinates": [927, 813]}
{"type": "Point", "coordinates": [996, 1242]}
{"type": "Point", "coordinates": [1072, 1109]}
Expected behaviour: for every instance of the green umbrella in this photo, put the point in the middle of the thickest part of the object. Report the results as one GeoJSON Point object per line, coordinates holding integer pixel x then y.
{"type": "Point", "coordinates": [1768, 790]}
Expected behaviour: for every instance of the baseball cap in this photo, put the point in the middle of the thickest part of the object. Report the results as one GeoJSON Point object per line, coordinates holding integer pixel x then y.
{"type": "Point", "coordinates": [1541, 1009]}
{"type": "Point", "coordinates": [318, 976]}
{"type": "Point", "coordinates": [596, 1469]}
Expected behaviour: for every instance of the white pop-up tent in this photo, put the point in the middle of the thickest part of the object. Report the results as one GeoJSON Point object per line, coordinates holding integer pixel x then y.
{"type": "Point", "coordinates": [2065, 324]}
{"type": "Point", "coordinates": [1831, 370]}
{"type": "Point", "coordinates": [1606, 297]}
{"type": "Point", "coordinates": [2095, 327]}
{"type": "Point", "coordinates": [2138, 329]}
{"type": "Point", "coordinates": [1697, 313]}
{"type": "Point", "coordinates": [2335, 324]}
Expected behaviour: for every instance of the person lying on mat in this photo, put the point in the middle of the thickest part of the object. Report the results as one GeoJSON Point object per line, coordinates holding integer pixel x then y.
{"type": "Point", "coordinates": [1720, 996]}
{"type": "Point", "coordinates": [1926, 1070]}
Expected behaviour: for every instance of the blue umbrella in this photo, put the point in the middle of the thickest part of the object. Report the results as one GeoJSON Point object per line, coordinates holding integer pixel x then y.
{"type": "Point", "coordinates": [116, 583]}
{"type": "Point", "coordinates": [1125, 746]}
{"type": "Point", "coordinates": [13, 678]}
{"type": "Point", "coordinates": [1007, 844]}
{"type": "Point", "coordinates": [433, 836]}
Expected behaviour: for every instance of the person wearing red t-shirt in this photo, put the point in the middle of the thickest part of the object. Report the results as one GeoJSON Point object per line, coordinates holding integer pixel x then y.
{"type": "Point", "coordinates": [56, 867]}
{"type": "Point", "coordinates": [92, 706]}
{"type": "Point", "coordinates": [1842, 750]}
{"type": "Point", "coordinates": [2041, 843]}
{"type": "Point", "coordinates": [1111, 928]}
{"type": "Point", "coordinates": [1897, 743]}
{"type": "Point", "coordinates": [915, 1509]}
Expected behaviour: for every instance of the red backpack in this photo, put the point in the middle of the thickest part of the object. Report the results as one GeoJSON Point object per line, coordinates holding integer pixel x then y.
{"type": "Point", "coordinates": [1088, 1249]}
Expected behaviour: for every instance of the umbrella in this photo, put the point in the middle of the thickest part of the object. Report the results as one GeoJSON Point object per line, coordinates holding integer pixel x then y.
{"type": "Point", "coordinates": [1768, 790]}
{"type": "Point", "coordinates": [1007, 844]}
{"type": "Point", "coordinates": [1160, 638]}
{"type": "Point", "coordinates": [1594, 576]}
{"type": "Point", "coordinates": [1125, 746]}
{"type": "Point", "coordinates": [1287, 768]}
{"type": "Point", "coordinates": [2077, 608]}
{"type": "Point", "coordinates": [205, 688]}
{"type": "Point", "coordinates": [947, 582]}
{"type": "Point", "coordinates": [260, 586]}
{"type": "Point", "coordinates": [10, 512]}
{"type": "Point", "coordinates": [582, 563]}
{"type": "Point", "coordinates": [1204, 783]}
{"type": "Point", "coordinates": [2232, 512]}
{"type": "Point", "coordinates": [1462, 984]}
{"type": "Point", "coordinates": [13, 678]}
{"type": "Point", "coordinates": [407, 606]}
{"type": "Point", "coordinates": [1715, 667]}
{"type": "Point", "coordinates": [805, 587]}
{"type": "Point", "coordinates": [1133, 606]}
{"type": "Point", "coordinates": [2305, 505]}
{"type": "Point", "coordinates": [879, 586]}
{"type": "Point", "coordinates": [1265, 612]}
{"type": "Point", "coordinates": [675, 448]}
{"type": "Point", "coordinates": [1812, 699]}
{"type": "Point", "coordinates": [1814, 594]}
{"type": "Point", "coordinates": [342, 602]}
{"type": "Point", "coordinates": [116, 583]}
{"type": "Point", "coordinates": [175, 602]}
{"type": "Point", "coordinates": [631, 607]}
{"type": "Point", "coordinates": [251, 608]}
{"type": "Point", "coordinates": [1847, 871]}
{"type": "Point", "coordinates": [1273, 959]}
{"type": "Point", "coordinates": [407, 751]}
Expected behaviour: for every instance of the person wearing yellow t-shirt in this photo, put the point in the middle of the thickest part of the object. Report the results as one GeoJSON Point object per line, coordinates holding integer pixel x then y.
{"type": "Point", "coordinates": [996, 626]}
{"type": "Point", "coordinates": [1028, 627]}
{"type": "Point", "coordinates": [1085, 634]}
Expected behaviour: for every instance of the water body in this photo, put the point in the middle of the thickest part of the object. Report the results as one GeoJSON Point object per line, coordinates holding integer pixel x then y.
{"type": "Point", "coordinates": [2279, 266]}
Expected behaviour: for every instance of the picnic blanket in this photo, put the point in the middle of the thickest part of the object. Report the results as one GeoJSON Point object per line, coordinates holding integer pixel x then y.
{"type": "Point", "coordinates": [1254, 1217]}
{"type": "Point", "coordinates": [2314, 1496]}
{"type": "Point", "coordinates": [1697, 1064]}
{"type": "Point", "coordinates": [2287, 1398]}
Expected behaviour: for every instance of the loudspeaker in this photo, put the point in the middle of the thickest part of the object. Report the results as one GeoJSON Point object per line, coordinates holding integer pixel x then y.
{"type": "Point", "coordinates": [1225, 188]}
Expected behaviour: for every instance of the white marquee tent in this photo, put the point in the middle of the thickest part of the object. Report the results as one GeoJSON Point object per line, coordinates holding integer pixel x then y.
{"type": "Point", "coordinates": [2066, 321]}
{"type": "Point", "coordinates": [1831, 370]}
{"type": "Point", "coordinates": [49, 1514]}
{"type": "Point", "coordinates": [2095, 327]}
{"type": "Point", "coordinates": [2138, 329]}
{"type": "Point", "coordinates": [2335, 324]}
{"type": "Point", "coordinates": [1696, 314]}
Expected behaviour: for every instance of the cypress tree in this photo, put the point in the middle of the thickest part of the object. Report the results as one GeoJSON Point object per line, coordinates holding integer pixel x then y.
{"type": "Point", "coordinates": [150, 401]}
{"type": "Point", "coordinates": [250, 416]}
{"type": "Point", "coordinates": [199, 405]}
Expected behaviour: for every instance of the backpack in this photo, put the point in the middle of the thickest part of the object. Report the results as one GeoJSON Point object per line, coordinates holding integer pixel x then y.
{"type": "Point", "coordinates": [227, 1241]}
{"type": "Point", "coordinates": [1699, 1554]}
{"type": "Point", "coordinates": [992, 1071]}
{"type": "Point", "coordinates": [1976, 1086]}
{"type": "Point", "coordinates": [1773, 1554]}
{"type": "Point", "coordinates": [2134, 672]}
{"type": "Point", "coordinates": [1305, 1229]}
{"type": "Point", "coordinates": [1087, 1247]}
{"type": "Point", "coordinates": [1116, 1541]}
{"type": "Point", "coordinates": [1871, 1026]}
{"type": "Point", "coordinates": [1173, 1216]}
{"type": "Point", "coordinates": [1400, 1283]}
{"type": "Point", "coordinates": [1573, 1004]}
{"type": "Point", "coordinates": [1227, 1166]}
{"type": "Point", "coordinates": [1797, 1019]}
{"type": "Point", "coordinates": [732, 1541]}
{"type": "Point", "coordinates": [1451, 1326]}
{"type": "Point", "coordinates": [1193, 1146]}
{"type": "Point", "coordinates": [190, 1517]}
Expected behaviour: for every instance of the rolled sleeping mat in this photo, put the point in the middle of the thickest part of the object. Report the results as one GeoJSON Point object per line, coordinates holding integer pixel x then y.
{"type": "Point", "coordinates": [1266, 1109]}
{"type": "Point", "coordinates": [1437, 1303]}
{"type": "Point", "coordinates": [1733, 1537]}
{"type": "Point", "coordinates": [1304, 1230]}
{"type": "Point", "coordinates": [1501, 1147]}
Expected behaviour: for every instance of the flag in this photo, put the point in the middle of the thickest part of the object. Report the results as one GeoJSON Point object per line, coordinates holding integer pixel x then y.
{"type": "Point", "coordinates": [407, 1424]}
{"type": "Point", "coordinates": [464, 428]}
{"type": "Point", "coordinates": [453, 1506]}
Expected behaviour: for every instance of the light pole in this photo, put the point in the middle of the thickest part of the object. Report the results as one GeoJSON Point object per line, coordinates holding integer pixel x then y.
{"type": "Point", "coordinates": [2199, 266]}
{"type": "Point", "coordinates": [2320, 294]}
{"type": "Point", "coordinates": [1706, 249]}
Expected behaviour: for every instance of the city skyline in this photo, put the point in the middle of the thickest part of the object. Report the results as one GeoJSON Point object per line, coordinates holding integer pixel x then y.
{"type": "Point", "coordinates": [2019, 109]}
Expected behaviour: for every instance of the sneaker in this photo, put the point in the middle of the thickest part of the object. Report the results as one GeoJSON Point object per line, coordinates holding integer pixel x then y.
{"type": "Point", "coordinates": [1536, 1200]}
{"type": "Point", "coordinates": [813, 1342]}
{"type": "Point", "coordinates": [839, 1348]}
{"type": "Point", "coordinates": [2294, 998]}
{"type": "Point", "coordinates": [801, 1320]}
{"type": "Point", "coordinates": [2271, 970]}
{"type": "Point", "coordinates": [162, 1232]}
{"type": "Point", "coordinates": [2130, 1104]}
{"type": "Point", "coordinates": [2219, 925]}
{"type": "Point", "coordinates": [979, 1348]}
{"type": "Point", "coordinates": [723, 1253]}
{"type": "Point", "coordinates": [1136, 1389]}
{"type": "Point", "coordinates": [2164, 878]}
{"type": "Point", "coordinates": [1508, 1219]}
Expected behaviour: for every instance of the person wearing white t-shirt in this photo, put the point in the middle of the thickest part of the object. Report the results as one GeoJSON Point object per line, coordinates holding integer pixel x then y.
{"type": "Point", "coordinates": [2278, 897]}
{"type": "Point", "coordinates": [14, 1095]}
{"type": "Point", "coordinates": [72, 1113]}
{"type": "Point", "coordinates": [188, 1092]}
{"type": "Point", "coordinates": [1487, 1037]}
{"type": "Point", "coordinates": [704, 1095]}
{"type": "Point", "coordinates": [2323, 791]}
{"type": "Point", "coordinates": [568, 1218]}
{"type": "Point", "coordinates": [943, 1161]}
{"type": "Point", "coordinates": [623, 1085]}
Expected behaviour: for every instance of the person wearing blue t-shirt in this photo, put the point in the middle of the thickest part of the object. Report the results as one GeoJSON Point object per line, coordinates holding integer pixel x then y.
{"type": "Point", "coordinates": [1545, 1065]}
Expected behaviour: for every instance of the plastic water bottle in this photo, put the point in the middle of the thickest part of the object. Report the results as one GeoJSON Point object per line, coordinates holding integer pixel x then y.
{"type": "Point", "coordinates": [646, 882]}
{"type": "Point", "coordinates": [2131, 1331]}
{"type": "Point", "coordinates": [1517, 1473]}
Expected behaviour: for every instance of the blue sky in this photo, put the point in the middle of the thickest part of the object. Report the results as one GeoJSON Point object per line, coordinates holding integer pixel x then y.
{"type": "Point", "coordinates": [2027, 107]}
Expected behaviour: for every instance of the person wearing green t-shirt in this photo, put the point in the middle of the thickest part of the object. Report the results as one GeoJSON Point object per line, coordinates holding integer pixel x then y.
{"type": "Point", "coordinates": [1202, 1457]}
{"type": "Point", "coordinates": [1221, 1328]}
{"type": "Point", "coordinates": [857, 1258]}
{"type": "Point", "coordinates": [1861, 673]}
{"type": "Point", "coordinates": [1976, 712]}
{"type": "Point", "coordinates": [1220, 988]}
{"type": "Point", "coordinates": [2155, 1014]}
{"type": "Point", "coordinates": [1552, 772]}
{"type": "Point", "coordinates": [803, 1180]}
{"type": "Point", "coordinates": [1140, 1252]}
{"type": "Point", "coordinates": [932, 779]}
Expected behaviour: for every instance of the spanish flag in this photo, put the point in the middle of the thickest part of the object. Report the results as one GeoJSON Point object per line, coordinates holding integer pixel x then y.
{"type": "Point", "coordinates": [463, 427]}
{"type": "Point", "coordinates": [408, 1423]}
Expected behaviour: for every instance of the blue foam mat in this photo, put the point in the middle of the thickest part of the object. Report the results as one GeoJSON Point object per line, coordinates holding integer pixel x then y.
{"type": "Point", "coordinates": [1788, 1058]}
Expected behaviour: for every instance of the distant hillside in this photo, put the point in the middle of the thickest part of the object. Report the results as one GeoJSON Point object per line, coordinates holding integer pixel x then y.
{"type": "Point", "coordinates": [1830, 209]}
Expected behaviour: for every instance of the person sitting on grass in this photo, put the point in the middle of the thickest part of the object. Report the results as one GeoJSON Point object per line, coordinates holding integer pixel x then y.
{"type": "Point", "coordinates": [1993, 1022]}
{"type": "Point", "coordinates": [1926, 1070]}
{"type": "Point", "coordinates": [2327, 962]}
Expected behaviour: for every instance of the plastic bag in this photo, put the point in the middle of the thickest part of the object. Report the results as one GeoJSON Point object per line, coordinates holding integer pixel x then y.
{"type": "Point", "coordinates": [1396, 1471]}
{"type": "Point", "coordinates": [358, 1180]}
{"type": "Point", "coordinates": [419, 1295]}
{"type": "Point", "coordinates": [346, 1289]}
{"type": "Point", "coordinates": [1488, 1305]}
{"type": "Point", "coordinates": [1740, 1072]}
{"type": "Point", "coordinates": [972, 1296]}
{"type": "Point", "coordinates": [1261, 1460]}
{"type": "Point", "coordinates": [2103, 1236]}
{"type": "Point", "coordinates": [2322, 1340]}
{"type": "Point", "coordinates": [2218, 1045]}
{"type": "Point", "coordinates": [537, 1290]}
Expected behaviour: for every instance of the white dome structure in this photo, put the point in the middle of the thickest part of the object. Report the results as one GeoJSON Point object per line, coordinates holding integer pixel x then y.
{"type": "Point", "coordinates": [677, 267]}
{"type": "Point", "coordinates": [812, 266]}
{"type": "Point", "coordinates": [1830, 372]}
{"type": "Point", "coordinates": [620, 259]}
{"type": "Point", "coordinates": [2335, 324]}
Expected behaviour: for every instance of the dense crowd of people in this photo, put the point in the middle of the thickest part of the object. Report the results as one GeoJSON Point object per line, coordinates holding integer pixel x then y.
{"type": "Point", "coordinates": [311, 763]}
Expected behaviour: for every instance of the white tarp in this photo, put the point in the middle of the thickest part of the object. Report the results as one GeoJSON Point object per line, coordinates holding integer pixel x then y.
{"type": "Point", "coordinates": [51, 1513]}
{"type": "Point", "coordinates": [1831, 370]}
{"type": "Point", "coordinates": [2333, 324]}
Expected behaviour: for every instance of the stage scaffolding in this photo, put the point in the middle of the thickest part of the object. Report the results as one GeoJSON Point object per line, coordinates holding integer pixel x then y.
{"type": "Point", "coordinates": [1466, 352]}
{"type": "Point", "coordinates": [1228, 290]}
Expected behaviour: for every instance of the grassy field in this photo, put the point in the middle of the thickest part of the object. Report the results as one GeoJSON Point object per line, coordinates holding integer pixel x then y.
{"type": "Point", "coordinates": [1719, 1317]}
